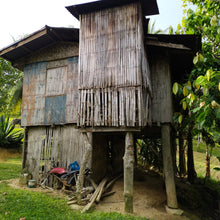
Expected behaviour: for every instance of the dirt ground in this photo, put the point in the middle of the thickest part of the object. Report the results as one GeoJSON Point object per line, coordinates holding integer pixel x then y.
{"type": "Point", "coordinates": [149, 198]}
{"type": "Point", "coordinates": [197, 201]}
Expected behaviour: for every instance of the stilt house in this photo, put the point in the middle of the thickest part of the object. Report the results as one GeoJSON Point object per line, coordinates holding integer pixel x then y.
{"type": "Point", "coordinates": [110, 79]}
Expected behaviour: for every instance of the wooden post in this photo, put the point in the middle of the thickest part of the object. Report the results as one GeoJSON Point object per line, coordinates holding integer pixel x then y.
{"type": "Point", "coordinates": [25, 147]}
{"type": "Point", "coordinates": [88, 151]}
{"type": "Point", "coordinates": [168, 167]}
{"type": "Point", "coordinates": [128, 172]}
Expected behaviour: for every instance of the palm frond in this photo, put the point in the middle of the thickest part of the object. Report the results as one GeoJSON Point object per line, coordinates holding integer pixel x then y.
{"type": "Point", "coordinates": [9, 137]}
{"type": "Point", "coordinates": [16, 94]}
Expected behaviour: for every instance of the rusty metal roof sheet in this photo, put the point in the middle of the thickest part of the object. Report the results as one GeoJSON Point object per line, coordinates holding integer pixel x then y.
{"type": "Point", "coordinates": [149, 6]}
{"type": "Point", "coordinates": [38, 40]}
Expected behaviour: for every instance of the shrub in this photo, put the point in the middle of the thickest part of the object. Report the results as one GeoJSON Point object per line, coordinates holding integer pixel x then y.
{"type": "Point", "coordinates": [150, 152]}
{"type": "Point", "coordinates": [10, 137]}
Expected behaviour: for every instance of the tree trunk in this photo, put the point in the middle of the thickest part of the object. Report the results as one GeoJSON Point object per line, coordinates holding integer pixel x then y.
{"type": "Point", "coordinates": [182, 159]}
{"type": "Point", "coordinates": [208, 174]}
{"type": "Point", "coordinates": [87, 155]}
{"type": "Point", "coordinates": [190, 159]}
{"type": "Point", "coordinates": [168, 167]}
{"type": "Point", "coordinates": [128, 172]}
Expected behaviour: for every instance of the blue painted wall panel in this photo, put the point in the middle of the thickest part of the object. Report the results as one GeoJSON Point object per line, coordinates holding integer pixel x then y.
{"type": "Point", "coordinates": [55, 110]}
{"type": "Point", "coordinates": [40, 108]}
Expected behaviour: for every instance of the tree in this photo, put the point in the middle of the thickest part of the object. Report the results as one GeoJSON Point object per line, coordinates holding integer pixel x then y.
{"type": "Point", "coordinates": [9, 77]}
{"type": "Point", "coordinates": [201, 94]}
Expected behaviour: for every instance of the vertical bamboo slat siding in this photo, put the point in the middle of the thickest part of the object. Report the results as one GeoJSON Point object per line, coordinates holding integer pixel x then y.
{"type": "Point", "coordinates": [114, 75]}
{"type": "Point", "coordinates": [60, 146]}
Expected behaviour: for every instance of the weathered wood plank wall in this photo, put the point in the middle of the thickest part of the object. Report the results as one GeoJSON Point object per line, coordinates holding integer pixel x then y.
{"type": "Point", "coordinates": [60, 146]}
{"type": "Point", "coordinates": [114, 76]}
{"type": "Point", "coordinates": [161, 106]}
{"type": "Point", "coordinates": [50, 91]}
{"type": "Point", "coordinates": [55, 51]}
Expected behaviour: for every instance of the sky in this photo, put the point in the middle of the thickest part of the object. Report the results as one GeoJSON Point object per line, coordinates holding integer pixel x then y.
{"type": "Point", "coordinates": [22, 17]}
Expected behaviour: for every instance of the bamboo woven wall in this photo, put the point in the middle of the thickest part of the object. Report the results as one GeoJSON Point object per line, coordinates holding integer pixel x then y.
{"type": "Point", "coordinates": [114, 76]}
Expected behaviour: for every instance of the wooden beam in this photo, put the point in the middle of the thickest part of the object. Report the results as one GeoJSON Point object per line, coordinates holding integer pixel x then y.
{"type": "Point", "coordinates": [24, 41]}
{"type": "Point", "coordinates": [27, 49]}
{"type": "Point", "coordinates": [167, 45]}
{"type": "Point", "coordinates": [110, 129]}
{"type": "Point", "coordinates": [55, 33]}
{"type": "Point", "coordinates": [128, 172]}
{"type": "Point", "coordinates": [25, 148]}
{"type": "Point", "coordinates": [168, 167]}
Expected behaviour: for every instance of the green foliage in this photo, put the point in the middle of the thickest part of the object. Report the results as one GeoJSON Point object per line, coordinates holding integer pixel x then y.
{"type": "Point", "coordinates": [9, 136]}
{"type": "Point", "coordinates": [201, 94]}
{"type": "Point", "coordinates": [16, 98]}
{"type": "Point", "coordinates": [205, 20]}
{"type": "Point", "coordinates": [150, 152]}
{"type": "Point", "coordinates": [9, 77]}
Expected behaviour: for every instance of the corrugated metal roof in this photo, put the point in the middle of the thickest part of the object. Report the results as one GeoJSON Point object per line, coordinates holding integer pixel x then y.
{"type": "Point", "coordinates": [38, 40]}
{"type": "Point", "coordinates": [149, 6]}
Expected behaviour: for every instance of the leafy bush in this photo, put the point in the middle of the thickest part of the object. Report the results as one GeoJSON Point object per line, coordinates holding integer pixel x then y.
{"type": "Point", "coordinates": [9, 136]}
{"type": "Point", "coordinates": [150, 152]}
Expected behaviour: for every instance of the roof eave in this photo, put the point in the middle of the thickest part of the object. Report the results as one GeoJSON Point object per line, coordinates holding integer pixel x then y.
{"type": "Point", "coordinates": [37, 40]}
{"type": "Point", "coordinates": [149, 6]}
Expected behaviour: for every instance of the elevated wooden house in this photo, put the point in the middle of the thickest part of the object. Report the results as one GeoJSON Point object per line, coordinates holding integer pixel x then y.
{"type": "Point", "coordinates": [110, 79]}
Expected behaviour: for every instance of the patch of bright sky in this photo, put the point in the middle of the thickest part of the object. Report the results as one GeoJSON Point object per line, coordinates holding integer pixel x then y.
{"type": "Point", "coordinates": [171, 13]}
{"type": "Point", "coordinates": [21, 17]}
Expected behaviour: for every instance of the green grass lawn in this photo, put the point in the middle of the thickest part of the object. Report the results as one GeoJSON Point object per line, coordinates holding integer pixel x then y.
{"type": "Point", "coordinates": [200, 166]}
{"type": "Point", "coordinates": [10, 168]}
{"type": "Point", "coordinates": [201, 148]}
{"type": "Point", "coordinates": [20, 203]}
{"type": "Point", "coordinates": [16, 204]}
